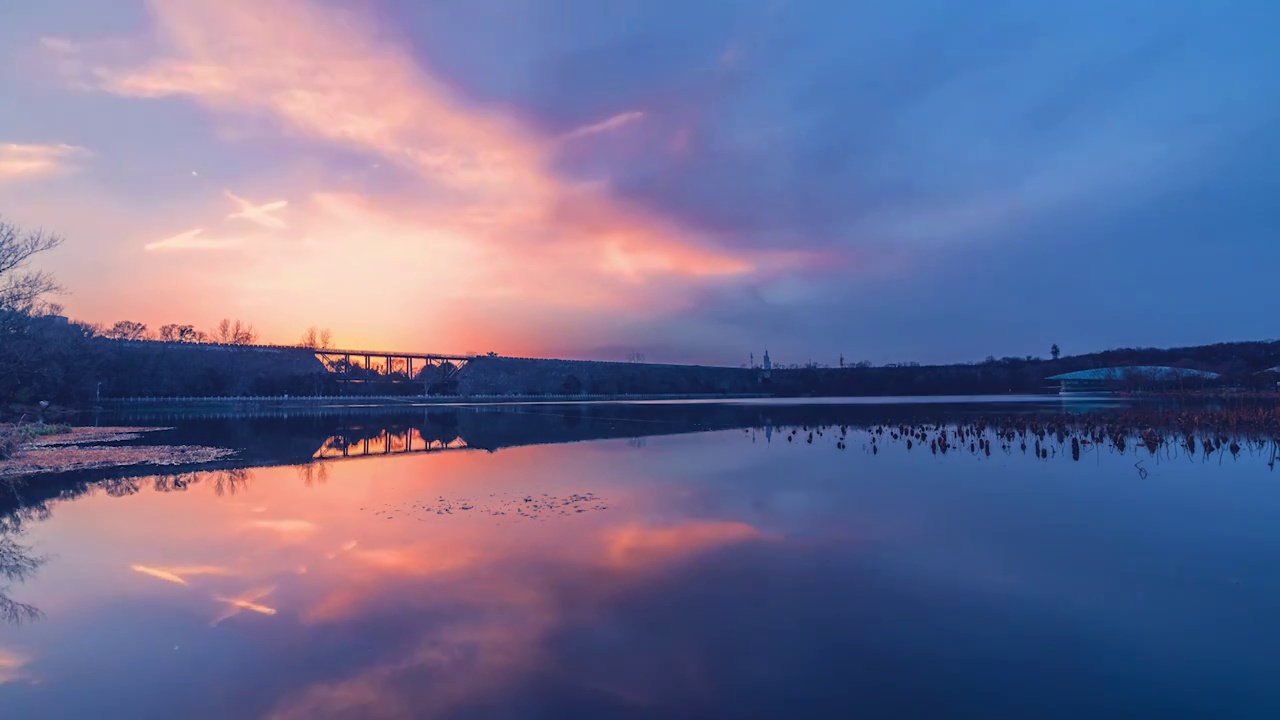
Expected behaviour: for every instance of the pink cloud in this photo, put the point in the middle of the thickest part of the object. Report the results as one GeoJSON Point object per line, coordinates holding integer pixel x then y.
{"type": "Point", "coordinates": [20, 162]}
{"type": "Point", "coordinates": [489, 220]}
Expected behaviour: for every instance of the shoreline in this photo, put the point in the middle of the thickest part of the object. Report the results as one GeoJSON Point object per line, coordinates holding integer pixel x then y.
{"type": "Point", "coordinates": [102, 448]}
{"type": "Point", "coordinates": [408, 400]}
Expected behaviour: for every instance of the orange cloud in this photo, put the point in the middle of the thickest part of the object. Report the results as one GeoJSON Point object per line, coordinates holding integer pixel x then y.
{"type": "Point", "coordinates": [20, 162]}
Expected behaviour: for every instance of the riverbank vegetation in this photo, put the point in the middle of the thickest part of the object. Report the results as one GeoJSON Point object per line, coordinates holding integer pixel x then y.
{"type": "Point", "coordinates": [46, 357]}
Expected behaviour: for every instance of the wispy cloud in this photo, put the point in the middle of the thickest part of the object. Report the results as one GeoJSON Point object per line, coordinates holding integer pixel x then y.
{"type": "Point", "coordinates": [159, 573]}
{"type": "Point", "coordinates": [260, 214]}
{"type": "Point", "coordinates": [21, 162]}
{"type": "Point", "coordinates": [191, 240]}
{"type": "Point", "coordinates": [178, 575]}
{"type": "Point", "coordinates": [487, 180]}
{"type": "Point", "coordinates": [604, 126]}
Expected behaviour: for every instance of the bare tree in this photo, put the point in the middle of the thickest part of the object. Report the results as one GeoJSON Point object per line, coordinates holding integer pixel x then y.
{"type": "Point", "coordinates": [182, 334]}
{"type": "Point", "coordinates": [21, 289]}
{"type": "Point", "coordinates": [317, 338]}
{"type": "Point", "coordinates": [635, 357]}
{"type": "Point", "coordinates": [234, 333]}
{"type": "Point", "coordinates": [127, 330]}
{"type": "Point", "coordinates": [1055, 351]}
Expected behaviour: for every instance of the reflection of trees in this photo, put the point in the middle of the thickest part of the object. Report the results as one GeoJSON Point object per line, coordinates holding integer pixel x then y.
{"type": "Point", "coordinates": [16, 564]}
{"type": "Point", "coordinates": [313, 473]}
{"type": "Point", "coordinates": [175, 483]}
{"type": "Point", "coordinates": [230, 482]}
{"type": "Point", "coordinates": [120, 487]}
{"type": "Point", "coordinates": [224, 482]}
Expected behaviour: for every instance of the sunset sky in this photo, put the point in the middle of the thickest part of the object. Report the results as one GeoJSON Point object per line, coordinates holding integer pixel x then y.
{"type": "Point", "coordinates": [696, 180]}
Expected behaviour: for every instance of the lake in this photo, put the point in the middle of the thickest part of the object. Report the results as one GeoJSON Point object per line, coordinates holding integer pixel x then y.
{"type": "Point", "coordinates": [738, 559]}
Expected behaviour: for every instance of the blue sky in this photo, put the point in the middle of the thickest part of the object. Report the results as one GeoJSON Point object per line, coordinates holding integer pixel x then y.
{"type": "Point", "coordinates": [917, 180]}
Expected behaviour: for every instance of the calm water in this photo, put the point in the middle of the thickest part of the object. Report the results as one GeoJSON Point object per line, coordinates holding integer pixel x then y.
{"type": "Point", "coordinates": [647, 561]}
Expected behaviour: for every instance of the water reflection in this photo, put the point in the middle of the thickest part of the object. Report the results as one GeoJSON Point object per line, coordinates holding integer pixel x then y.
{"type": "Point", "coordinates": [385, 441]}
{"type": "Point", "coordinates": [792, 565]}
{"type": "Point", "coordinates": [17, 563]}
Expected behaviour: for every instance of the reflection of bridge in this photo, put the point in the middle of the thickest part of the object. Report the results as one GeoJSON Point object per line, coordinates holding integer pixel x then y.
{"type": "Point", "coordinates": [387, 442]}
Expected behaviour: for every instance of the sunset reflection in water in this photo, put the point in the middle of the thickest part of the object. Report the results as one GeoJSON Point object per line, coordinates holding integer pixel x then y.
{"type": "Point", "coordinates": [737, 572]}
{"type": "Point", "coordinates": [292, 564]}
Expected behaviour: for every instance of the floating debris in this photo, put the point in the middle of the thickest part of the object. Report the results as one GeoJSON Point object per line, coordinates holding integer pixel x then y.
{"type": "Point", "coordinates": [514, 506]}
{"type": "Point", "coordinates": [1247, 429]}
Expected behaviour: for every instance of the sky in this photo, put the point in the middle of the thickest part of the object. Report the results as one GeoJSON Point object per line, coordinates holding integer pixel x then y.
{"type": "Point", "coordinates": [920, 180]}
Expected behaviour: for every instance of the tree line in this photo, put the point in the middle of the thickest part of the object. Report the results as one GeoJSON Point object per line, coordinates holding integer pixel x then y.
{"type": "Point", "coordinates": [46, 357]}
{"type": "Point", "coordinates": [227, 332]}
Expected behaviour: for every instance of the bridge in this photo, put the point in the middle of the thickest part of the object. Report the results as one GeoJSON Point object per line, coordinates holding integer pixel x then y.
{"type": "Point", "coordinates": [350, 366]}
{"type": "Point", "coordinates": [356, 366]}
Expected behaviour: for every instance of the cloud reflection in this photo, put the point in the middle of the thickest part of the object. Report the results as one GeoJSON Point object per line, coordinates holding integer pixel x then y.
{"type": "Point", "coordinates": [178, 575]}
{"type": "Point", "coordinates": [286, 528]}
{"type": "Point", "coordinates": [244, 601]}
{"type": "Point", "coordinates": [11, 667]}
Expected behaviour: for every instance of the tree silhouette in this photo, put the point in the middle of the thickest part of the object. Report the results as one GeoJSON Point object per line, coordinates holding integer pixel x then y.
{"type": "Point", "coordinates": [21, 289]}
{"type": "Point", "coordinates": [234, 333]}
{"type": "Point", "coordinates": [1055, 351]}
{"type": "Point", "coordinates": [317, 338]}
{"type": "Point", "coordinates": [182, 333]}
{"type": "Point", "coordinates": [127, 330]}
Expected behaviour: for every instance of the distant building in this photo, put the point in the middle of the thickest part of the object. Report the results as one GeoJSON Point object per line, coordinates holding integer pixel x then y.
{"type": "Point", "coordinates": [768, 364]}
{"type": "Point", "coordinates": [1274, 374]}
{"type": "Point", "coordinates": [1125, 378]}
